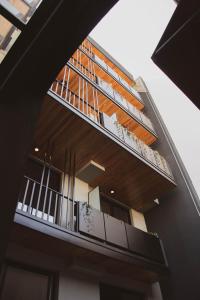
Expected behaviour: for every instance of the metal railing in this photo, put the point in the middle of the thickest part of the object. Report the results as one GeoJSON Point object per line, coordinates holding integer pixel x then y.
{"type": "Point", "coordinates": [88, 103]}
{"type": "Point", "coordinates": [86, 47]}
{"type": "Point", "coordinates": [90, 108]}
{"type": "Point", "coordinates": [46, 204]}
{"type": "Point", "coordinates": [88, 70]}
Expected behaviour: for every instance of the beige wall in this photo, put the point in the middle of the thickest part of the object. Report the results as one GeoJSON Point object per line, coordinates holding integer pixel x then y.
{"type": "Point", "coordinates": [138, 220]}
{"type": "Point", "coordinates": [80, 194]}
{"type": "Point", "coordinates": [5, 26]}
{"type": "Point", "coordinates": [20, 6]}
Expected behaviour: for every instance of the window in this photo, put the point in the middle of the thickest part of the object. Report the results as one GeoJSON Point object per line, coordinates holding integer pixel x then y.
{"type": "Point", "coordinates": [110, 292]}
{"type": "Point", "coordinates": [115, 210]}
{"type": "Point", "coordinates": [8, 35]}
{"type": "Point", "coordinates": [21, 283]}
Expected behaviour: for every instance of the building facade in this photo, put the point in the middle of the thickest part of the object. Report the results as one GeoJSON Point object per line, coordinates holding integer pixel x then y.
{"type": "Point", "coordinates": [95, 203]}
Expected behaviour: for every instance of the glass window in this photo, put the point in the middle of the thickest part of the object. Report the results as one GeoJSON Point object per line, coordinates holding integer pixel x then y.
{"type": "Point", "coordinates": [21, 9]}
{"type": "Point", "coordinates": [22, 284]}
{"type": "Point", "coordinates": [115, 210]}
{"type": "Point", "coordinates": [8, 35]}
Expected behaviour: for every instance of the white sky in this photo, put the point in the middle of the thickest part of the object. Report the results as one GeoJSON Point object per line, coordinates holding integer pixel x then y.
{"type": "Point", "coordinates": [130, 33]}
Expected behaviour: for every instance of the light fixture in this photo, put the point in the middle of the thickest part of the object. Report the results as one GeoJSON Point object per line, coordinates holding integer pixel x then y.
{"type": "Point", "coordinates": [36, 149]}
{"type": "Point", "coordinates": [112, 191]}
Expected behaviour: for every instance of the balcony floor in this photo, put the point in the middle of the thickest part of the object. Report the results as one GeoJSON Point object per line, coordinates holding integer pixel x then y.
{"type": "Point", "coordinates": [136, 182]}
{"type": "Point", "coordinates": [88, 253]}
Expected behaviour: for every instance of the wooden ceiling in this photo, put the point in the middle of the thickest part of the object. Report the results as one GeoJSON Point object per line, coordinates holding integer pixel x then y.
{"type": "Point", "coordinates": [108, 107]}
{"type": "Point", "coordinates": [135, 183]}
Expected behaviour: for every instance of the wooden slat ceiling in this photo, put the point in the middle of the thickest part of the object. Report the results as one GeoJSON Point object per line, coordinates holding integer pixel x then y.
{"type": "Point", "coordinates": [136, 184]}
{"type": "Point", "coordinates": [109, 107]}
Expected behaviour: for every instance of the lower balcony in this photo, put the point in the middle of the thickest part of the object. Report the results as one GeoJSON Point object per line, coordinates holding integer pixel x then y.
{"type": "Point", "coordinates": [84, 234]}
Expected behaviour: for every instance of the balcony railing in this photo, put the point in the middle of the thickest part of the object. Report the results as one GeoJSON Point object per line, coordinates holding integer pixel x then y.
{"type": "Point", "coordinates": [89, 72]}
{"type": "Point", "coordinates": [88, 104]}
{"type": "Point", "coordinates": [49, 206]}
{"type": "Point", "coordinates": [104, 66]}
{"type": "Point", "coordinates": [41, 201]}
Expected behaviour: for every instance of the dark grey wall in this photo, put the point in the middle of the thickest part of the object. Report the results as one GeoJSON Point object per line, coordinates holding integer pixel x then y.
{"type": "Point", "coordinates": [176, 219]}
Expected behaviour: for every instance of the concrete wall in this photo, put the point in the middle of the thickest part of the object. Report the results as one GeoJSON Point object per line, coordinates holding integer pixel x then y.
{"type": "Point", "coordinates": [73, 287]}
{"type": "Point", "coordinates": [176, 219]}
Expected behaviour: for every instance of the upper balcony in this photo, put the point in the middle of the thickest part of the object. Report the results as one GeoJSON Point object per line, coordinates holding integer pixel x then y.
{"type": "Point", "coordinates": [135, 171]}
{"type": "Point", "coordinates": [84, 83]}
{"type": "Point", "coordinates": [118, 76]}
{"type": "Point", "coordinates": [109, 71]}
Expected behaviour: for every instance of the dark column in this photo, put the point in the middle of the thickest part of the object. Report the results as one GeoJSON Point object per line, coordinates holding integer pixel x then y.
{"type": "Point", "coordinates": [46, 43]}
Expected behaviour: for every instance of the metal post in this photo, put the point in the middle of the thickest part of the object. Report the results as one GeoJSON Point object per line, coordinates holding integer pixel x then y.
{"type": "Point", "coordinates": [73, 187]}
{"type": "Point", "coordinates": [63, 185]}
{"type": "Point", "coordinates": [41, 183]}
{"type": "Point", "coordinates": [67, 86]}
{"type": "Point", "coordinates": [68, 188]}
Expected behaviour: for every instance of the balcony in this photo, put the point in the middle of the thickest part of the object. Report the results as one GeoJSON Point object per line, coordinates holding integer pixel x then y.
{"type": "Point", "coordinates": [64, 125]}
{"type": "Point", "coordinates": [88, 66]}
{"type": "Point", "coordinates": [84, 227]}
{"type": "Point", "coordinates": [115, 76]}
{"type": "Point", "coordinates": [107, 65]}
{"type": "Point", "coordinates": [86, 99]}
{"type": "Point", "coordinates": [106, 99]}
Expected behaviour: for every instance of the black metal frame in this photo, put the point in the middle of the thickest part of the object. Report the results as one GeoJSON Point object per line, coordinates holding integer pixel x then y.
{"type": "Point", "coordinates": [53, 277]}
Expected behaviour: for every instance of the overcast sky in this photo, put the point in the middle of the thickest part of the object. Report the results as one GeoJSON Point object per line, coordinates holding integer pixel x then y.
{"type": "Point", "coordinates": [130, 33]}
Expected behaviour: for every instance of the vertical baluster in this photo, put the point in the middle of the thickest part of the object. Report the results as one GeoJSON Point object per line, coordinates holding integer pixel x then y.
{"type": "Point", "coordinates": [55, 211]}
{"type": "Point", "coordinates": [83, 96]}
{"type": "Point", "coordinates": [67, 85]}
{"type": "Point", "coordinates": [97, 101]}
{"type": "Point", "coordinates": [31, 200]}
{"type": "Point", "coordinates": [86, 98]}
{"type": "Point", "coordinates": [49, 206]}
{"type": "Point", "coordinates": [77, 58]}
{"type": "Point", "coordinates": [63, 81]}
{"type": "Point", "coordinates": [94, 72]}
{"type": "Point", "coordinates": [63, 185]}
{"type": "Point", "coordinates": [25, 194]}
{"type": "Point", "coordinates": [79, 91]}
{"type": "Point", "coordinates": [56, 90]}
{"type": "Point", "coordinates": [88, 67]}
{"type": "Point", "coordinates": [70, 95]}
{"type": "Point", "coordinates": [41, 185]}
{"type": "Point", "coordinates": [68, 189]}
{"type": "Point", "coordinates": [46, 188]}
{"type": "Point", "coordinates": [73, 192]}
{"type": "Point", "coordinates": [74, 100]}
{"type": "Point", "coordinates": [94, 104]}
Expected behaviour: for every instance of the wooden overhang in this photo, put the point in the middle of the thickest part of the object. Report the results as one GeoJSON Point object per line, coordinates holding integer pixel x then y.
{"type": "Point", "coordinates": [136, 181]}
{"type": "Point", "coordinates": [177, 53]}
{"type": "Point", "coordinates": [80, 251]}
{"type": "Point", "coordinates": [110, 106]}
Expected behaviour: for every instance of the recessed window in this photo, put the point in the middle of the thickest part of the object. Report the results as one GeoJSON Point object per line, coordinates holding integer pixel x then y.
{"type": "Point", "coordinates": [114, 209]}
{"type": "Point", "coordinates": [21, 9]}
{"type": "Point", "coordinates": [8, 35]}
